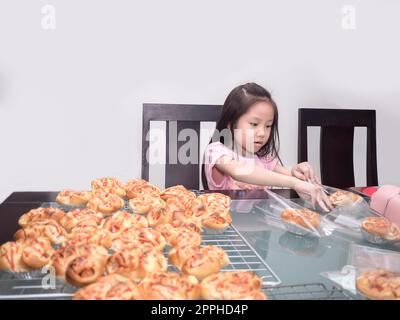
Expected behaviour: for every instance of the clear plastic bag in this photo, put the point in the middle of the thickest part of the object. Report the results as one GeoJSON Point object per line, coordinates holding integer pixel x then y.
{"type": "Point", "coordinates": [365, 257]}
{"type": "Point", "coordinates": [363, 260]}
{"type": "Point", "coordinates": [350, 216]}
{"type": "Point", "coordinates": [354, 222]}
{"type": "Point", "coordinates": [343, 198]}
{"type": "Point", "coordinates": [295, 218]}
{"type": "Point", "coordinates": [343, 201]}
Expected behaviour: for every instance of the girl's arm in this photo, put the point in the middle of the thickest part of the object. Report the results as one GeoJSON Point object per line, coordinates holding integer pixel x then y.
{"type": "Point", "coordinates": [253, 174]}
{"type": "Point", "coordinates": [282, 170]}
{"type": "Point", "coordinates": [303, 171]}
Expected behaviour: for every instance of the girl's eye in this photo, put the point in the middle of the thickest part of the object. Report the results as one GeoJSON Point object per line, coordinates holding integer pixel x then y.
{"type": "Point", "coordinates": [269, 126]}
{"type": "Point", "coordinates": [253, 124]}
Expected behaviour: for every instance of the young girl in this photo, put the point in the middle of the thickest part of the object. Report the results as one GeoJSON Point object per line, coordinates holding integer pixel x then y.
{"type": "Point", "coordinates": [244, 154]}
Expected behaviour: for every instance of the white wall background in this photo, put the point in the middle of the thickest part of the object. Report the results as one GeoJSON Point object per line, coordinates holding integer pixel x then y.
{"type": "Point", "coordinates": [71, 95]}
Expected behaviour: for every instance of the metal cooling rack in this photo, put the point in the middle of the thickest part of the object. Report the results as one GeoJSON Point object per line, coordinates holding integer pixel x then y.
{"type": "Point", "coordinates": [242, 255]}
{"type": "Point", "coordinates": [13, 288]}
{"type": "Point", "coordinates": [309, 291]}
{"type": "Point", "coordinates": [33, 289]}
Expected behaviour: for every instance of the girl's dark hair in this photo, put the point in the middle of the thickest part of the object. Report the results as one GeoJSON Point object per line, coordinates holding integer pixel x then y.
{"type": "Point", "coordinates": [238, 102]}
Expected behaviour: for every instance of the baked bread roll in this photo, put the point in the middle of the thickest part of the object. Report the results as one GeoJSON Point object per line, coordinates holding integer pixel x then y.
{"type": "Point", "coordinates": [209, 259]}
{"type": "Point", "coordinates": [233, 285]}
{"type": "Point", "coordinates": [137, 188]}
{"type": "Point", "coordinates": [169, 286]}
{"type": "Point", "coordinates": [151, 260]}
{"type": "Point", "coordinates": [145, 203]}
{"type": "Point", "coordinates": [89, 235]}
{"type": "Point", "coordinates": [87, 266]}
{"type": "Point", "coordinates": [201, 265]}
{"type": "Point", "coordinates": [215, 199]}
{"type": "Point", "coordinates": [217, 221]}
{"type": "Point", "coordinates": [344, 198]}
{"type": "Point", "coordinates": [73, 198]}
{"type": "Point", "coordinates": [84, 270]}
{"type": "Point", "coordinates": [106, 203]}
{"type": "Point", "coordinates": [128, 237]}
{"type": "Point", "coordinates": [78, 217]}
{"type": "Point", "coordinates": [303, 217]}
{"type": "Point", "coordinates": [136, 262]}
{"type": "Point", "coordinates": [109, 185]}
{"type": "Point", "coordinates": [151, 237]}
{"type": "Point", "coordinates": [218, 253]}
{"type": "Point", "coordinates": [25, 254]}
{"type": "Point", "coordinates": [45, 228]}
{"type": "Point", "coordinates": [167, 231]}
{"type": "Point", "coordinates": [40, 214]}
{"type": "Point", "coordinates": [179, 192]}
{"type": "Point", "coordinates": [137, 221]}
{"type": "Point", "coordinates": [173, 192]}
{"type": "Point", "coordinates": [62, 258]}
{"type": "Point", "coordinates": [123, 220]}
{"type": "Point", "coordinates": [382, 227]}
{"type": "Point", "coordinates": [198, 209]}
{"type": "Point", "coordinates": [158, 216]}
{"type": "Point", "coordinates": [65, 255]}
{"type": "Point", "coordinates": [182, 236]}
{"type": "Point", "coordinates": [379, 284]}
{"type": "Point", "coordinates": [192, 226]}
{"type": "Point", "coordinates": [179, 218]}
{"type": "Point", "coordinates": [37, 253]}
{"type": "Point", "coordinates": [11, 257]}
{"type": "Point", "coordinates": [212, 211]}
{"type": "Point", "coordinates": [174, 204]}
{"type": "Point", "coordinates": [111, 287]}
{"type": "Point", "coordinates": [179, 255]}
{"type": "Point", "coordinates": [125, 262]}
{"type": "Point", "coordinates": [187, 199]}
{"type": "Point", "coordinates": [171, 233]}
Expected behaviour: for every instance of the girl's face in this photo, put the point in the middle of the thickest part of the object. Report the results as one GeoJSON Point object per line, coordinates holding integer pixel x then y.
{"type": "Point", "coordinates": [253, 128]}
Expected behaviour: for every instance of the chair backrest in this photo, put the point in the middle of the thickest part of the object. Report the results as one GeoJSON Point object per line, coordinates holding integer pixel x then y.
{"type": "Point", "coordinates": [185, 116]}
{"type": "Point", "coordinates": [336, 143]}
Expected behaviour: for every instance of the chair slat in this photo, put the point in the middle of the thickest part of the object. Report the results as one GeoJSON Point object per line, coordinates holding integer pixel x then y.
{"type": "Point", "coordinates": [337, 143]}
{"type": "Point", "coordinates": [185, 116]}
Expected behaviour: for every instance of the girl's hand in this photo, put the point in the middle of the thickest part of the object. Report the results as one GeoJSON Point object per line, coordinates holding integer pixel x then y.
{"type": "Point", "coordinates": [316, 193]}
{"type": "Point", "coordinates": [304, 171]}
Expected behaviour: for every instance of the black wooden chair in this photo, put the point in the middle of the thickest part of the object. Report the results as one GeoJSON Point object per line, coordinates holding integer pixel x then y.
{"type": "Point", "coordinates": [336, 143]}
{"type": "Point", "coordinates": [187, 116]}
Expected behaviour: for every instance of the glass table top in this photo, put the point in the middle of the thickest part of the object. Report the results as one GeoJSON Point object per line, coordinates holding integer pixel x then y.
{"type": "Point", "coordinates": [295, 259]}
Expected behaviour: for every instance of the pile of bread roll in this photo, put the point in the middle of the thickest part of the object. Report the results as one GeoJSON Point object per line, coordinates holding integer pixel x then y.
{"type": "Point", "coordinates": [116, 254]}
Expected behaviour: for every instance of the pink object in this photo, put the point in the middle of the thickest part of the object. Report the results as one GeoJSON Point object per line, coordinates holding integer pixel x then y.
{"type": "Point", "coordinates": [369, 190]}
{"type": "Point", "coordinates": [386, 201]}
{"type": "Point", "coordinates": [216, 150]}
